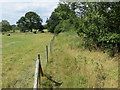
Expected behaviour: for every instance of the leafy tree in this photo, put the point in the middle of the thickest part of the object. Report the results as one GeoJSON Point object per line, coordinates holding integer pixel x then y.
{"type": "Point", "coordinates": [97, 22]}
{"type": "Point", "coordinates": [61, 13]}
{"type": "Point", "coordinates": [5, 26]}
{"type": "Point", "coordinates": [52, 22]}
{"type": "Point", "coordinates": [100, 23]}
{"type": "Point", "coordinates": [30, 21]}
{"type": "Point", "coordinates": [21, 23]}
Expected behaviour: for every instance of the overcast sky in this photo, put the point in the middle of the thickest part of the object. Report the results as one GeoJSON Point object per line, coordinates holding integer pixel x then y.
{"type": "Point", "coordinates": [12, 10]}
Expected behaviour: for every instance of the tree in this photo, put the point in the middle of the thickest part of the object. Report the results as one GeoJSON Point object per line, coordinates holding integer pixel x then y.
{"type": "Point", "coordinates": [100, 24]}
{"type": "Point", "coordinates": [5, 26]}
{"type": "Point", "coordinates": [52, 22]}
{"type": "Point", "coordinates": [30, 21]}
{"type": "Point", "coordinates": [22, 24]}
{"type": "Point", "coordinates": [61, 13]}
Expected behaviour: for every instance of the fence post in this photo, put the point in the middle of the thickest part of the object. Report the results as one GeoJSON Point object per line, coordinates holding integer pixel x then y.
{"type": "Point", "coordinates": [36, 75]}
{"type": "Point", "coordinates": [46, 53]}
{"type": "Point", "coordinates": [40, 69]}
{"type": "Point", "coordinates": [39, 78]}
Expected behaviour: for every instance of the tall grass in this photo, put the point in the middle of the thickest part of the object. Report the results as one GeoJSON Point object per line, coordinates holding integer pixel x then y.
{"type": "Point", "coordinates": [78, 67]}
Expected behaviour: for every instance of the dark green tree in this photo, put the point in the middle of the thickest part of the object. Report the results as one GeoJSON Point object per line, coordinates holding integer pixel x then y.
{"type": "Point", "coordinates": [61, 13]}
{"type": "Point", "coordinates": [30, 21]}
{"type": "Point", "coordinates": [5, 26]}
{"type": "Point", "coordinates": [21, 23]}
{"type": "Point", "coordinates": [100, 24]}
{"type": "Point", "coordinates": [52, 22]}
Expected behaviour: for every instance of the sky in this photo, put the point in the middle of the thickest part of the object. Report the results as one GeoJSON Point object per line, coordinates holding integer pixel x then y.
{"type": "Point", "coordinates": [12, 10]}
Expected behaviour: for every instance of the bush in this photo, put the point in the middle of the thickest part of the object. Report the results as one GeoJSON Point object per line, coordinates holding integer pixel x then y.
{"type": "Point", "coordinates": [99, 27]}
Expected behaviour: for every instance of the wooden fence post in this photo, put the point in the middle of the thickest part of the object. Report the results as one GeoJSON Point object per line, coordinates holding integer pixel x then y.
{"type": "Point", "coordinates": [36, 73]}
{"type": "Point", "coordinates": [38, 57]}
{"type": "Point", "coordinates": [40, 68]}
{"type": "Point", "coordinates": [46, 53]}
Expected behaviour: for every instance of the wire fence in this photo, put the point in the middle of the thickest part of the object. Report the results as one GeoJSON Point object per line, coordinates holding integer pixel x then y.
{"type": "Point", "coordinates": [38, 70]}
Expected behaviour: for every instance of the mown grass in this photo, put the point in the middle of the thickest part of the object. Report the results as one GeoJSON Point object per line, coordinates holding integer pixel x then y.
{"type": "Point", "coordinates": [19, 53]}
{"type": "Point", "coordinates": [77, 67]}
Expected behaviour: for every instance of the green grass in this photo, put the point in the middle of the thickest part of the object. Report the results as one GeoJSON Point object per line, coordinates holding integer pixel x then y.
{"type": "Point", "coordinates": [77, 67]}
{"type": "Point", "coordinates": [69, 63]}
{"type": "Point", "coordinates": [45, 30]}
{"type": "Point", "coordinates": [0, 60]}
{"type": "Point", "coordinates": [19, 53]}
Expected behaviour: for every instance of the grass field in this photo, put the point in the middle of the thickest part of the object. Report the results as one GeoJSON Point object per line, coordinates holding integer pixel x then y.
{"type": "Point", "coordinates": [19, 53]}
{"type": "Point", "coordinates": [70, 64]}
{"type": "Point", "coordinates": [77, 67]}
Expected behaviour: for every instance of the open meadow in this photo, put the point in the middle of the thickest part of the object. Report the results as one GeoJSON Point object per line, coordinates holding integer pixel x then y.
{"type": "Point", "coordinates": [19, 53]}
{"type": "Point", "coordinates": [70, 65]}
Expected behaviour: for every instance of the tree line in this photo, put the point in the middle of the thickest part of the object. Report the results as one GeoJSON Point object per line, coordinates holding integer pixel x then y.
{"type": "Point", "coordinates": [26, 23]}
{"type": "Point", "coordinates": [97, 22]}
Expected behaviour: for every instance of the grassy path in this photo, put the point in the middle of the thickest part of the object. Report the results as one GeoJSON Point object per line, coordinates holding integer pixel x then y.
{"type": "Point", "coordinates": [19, 57]}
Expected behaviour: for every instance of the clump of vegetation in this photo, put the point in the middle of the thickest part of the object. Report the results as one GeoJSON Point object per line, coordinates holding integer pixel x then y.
{"type": "Point", "coordinates": [30, 21]}
{"type": "Point", "coordinates": [99, 22]}
{"type": "Point", "coordinates": [100, 25]}
{"type": "Point", "coordinates": [77, 67]}
{"type": "Point", "coordinates": [5, 26]}
{"type": "Point", "coordinates": [61, 19]}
